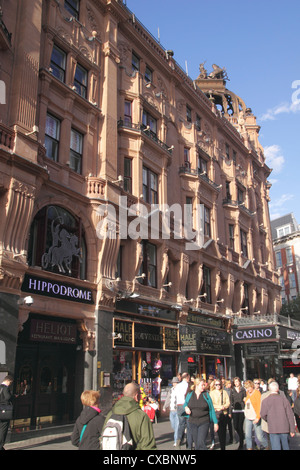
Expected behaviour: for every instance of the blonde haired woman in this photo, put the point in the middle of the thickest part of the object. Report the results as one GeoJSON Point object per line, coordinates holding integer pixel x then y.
{"type": "Point", "coordinates": [88, 427]}
{"type": "Point", "coordinates": [198, 406]}
{"type": "Point", "coordinates": [221, 403]}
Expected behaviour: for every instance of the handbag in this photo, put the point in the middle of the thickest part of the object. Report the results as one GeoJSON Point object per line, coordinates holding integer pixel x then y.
{"type": "Point", "coordinates": [6, 412]}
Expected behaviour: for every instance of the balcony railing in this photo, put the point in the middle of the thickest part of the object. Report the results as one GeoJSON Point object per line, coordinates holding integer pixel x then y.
{"type": "Point", "coordinates": [186, 169]}
{"type": "Point", "coordinates": [7, 136]}
{"type": "Point", "coordinates": [240, 205]}
{"type": "Point", "coordinates": [146, 131]}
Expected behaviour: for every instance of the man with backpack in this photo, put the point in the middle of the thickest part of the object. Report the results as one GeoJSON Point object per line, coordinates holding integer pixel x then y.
{"type": "Point", "coordinates": [126, 411]}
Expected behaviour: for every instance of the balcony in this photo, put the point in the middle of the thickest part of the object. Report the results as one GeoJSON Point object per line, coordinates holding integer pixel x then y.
{"type": "Point", "coordinates": [187, 170]}
{"type": "Point", "coordinates": [7, 136]}
{"type": "Point", "coordinates": [240, 205]}
{"type": "Point", "coordinates": [146, 131]}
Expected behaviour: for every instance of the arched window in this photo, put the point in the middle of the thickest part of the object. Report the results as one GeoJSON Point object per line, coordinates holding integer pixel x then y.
{"type": "Point", "coordinates": [57, 242]}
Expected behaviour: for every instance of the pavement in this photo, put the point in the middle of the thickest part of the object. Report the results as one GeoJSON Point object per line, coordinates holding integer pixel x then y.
{"type": "Point", "coordinates": [58, 438]}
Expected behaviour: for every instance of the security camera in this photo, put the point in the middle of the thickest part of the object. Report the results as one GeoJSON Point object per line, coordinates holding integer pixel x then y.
{"type": "Point", "coordinates": [28, 300]}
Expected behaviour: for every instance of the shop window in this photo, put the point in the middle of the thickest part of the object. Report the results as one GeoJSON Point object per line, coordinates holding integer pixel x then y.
{"type": "Point", "coordinates": [52, 133]}
{"type": "Point", "coordinates": [57, 242]}
{"type": "Point", "coordinates": [58, 63]}
{"type": "Point", "coordinates": [46, 385]}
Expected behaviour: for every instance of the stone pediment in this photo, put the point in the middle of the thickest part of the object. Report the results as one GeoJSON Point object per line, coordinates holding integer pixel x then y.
{"type": "Point", "coordinates": [211, 248]}
{"type": "Point", "coordinates": [249, 268]}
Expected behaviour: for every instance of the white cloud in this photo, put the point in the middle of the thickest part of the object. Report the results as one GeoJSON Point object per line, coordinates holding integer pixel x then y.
{"type": "Point", "coordinates": [272, 113]}
{"type": "Point", "coordinates": [274, 158]}
{"type": "Point", "coordinates": [278, 207]}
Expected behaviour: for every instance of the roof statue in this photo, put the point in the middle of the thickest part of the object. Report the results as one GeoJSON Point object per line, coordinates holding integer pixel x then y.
{"type": "Point", "coordinates": [217, 73]}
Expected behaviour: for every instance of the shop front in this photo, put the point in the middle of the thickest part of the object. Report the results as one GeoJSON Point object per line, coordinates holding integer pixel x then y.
{"type": "Point", "coordinates": [205, 346]}
{"type": "Point", "coordinates": [257, 351]}
{"type": "Point", "coordinates": [144, 351]}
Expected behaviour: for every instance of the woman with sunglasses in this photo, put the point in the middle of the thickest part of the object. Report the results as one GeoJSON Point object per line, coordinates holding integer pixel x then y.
{"type": "Point", "coordinates": [237, 404]}
{"type": "Point", "coordinates": [198, 406]}
{"type": "Point", "coordinates": [221, 403]}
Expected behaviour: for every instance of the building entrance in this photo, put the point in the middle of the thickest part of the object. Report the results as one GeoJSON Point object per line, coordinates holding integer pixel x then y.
{"type": "Point", "coordinates": [44, 377]}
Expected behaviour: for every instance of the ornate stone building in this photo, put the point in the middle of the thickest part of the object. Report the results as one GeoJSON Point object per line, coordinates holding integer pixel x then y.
{"type": "Point", "coordinates": [134, 209]}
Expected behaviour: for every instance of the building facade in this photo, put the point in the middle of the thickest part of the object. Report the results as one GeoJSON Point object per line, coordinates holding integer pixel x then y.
{"type": "Point", "coordinates": [286, 243]}
{"type": "Point", "coordinates": [134, 208]}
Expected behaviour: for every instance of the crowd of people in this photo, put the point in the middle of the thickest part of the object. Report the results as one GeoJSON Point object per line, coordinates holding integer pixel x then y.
{"type": "Point", "coordinates": [261, 415]}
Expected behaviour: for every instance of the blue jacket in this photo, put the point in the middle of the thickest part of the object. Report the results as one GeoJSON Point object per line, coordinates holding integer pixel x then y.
{"type": "Point", "coordinates": [212, 414]}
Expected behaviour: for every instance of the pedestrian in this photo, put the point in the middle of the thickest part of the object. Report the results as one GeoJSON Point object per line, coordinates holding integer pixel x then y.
{"type": "Point", "coordinates": [172, 405]}
{"type": "Point", "coordinates": [277, 412]}
{"type": "Point", "coordinates": [5, 399]}
{"type": "Point", "coordinates": [297, 409]}
{"type": "Point", "coordinates": [140, 425]}
{"type": "Point", "coordinates": [180, 394]}
{"type": "Point", "coordinates": [293, 385]}
{"type": "Point", "coordinates": [87, 430]}
{"type": "Point", "coordinates": [221, 404]}
{"type": "Point", "coordinates": [257, 385]}
{"type": "Point", "coordinates": [237, 406]}
{"type": "Point", "coordinates": [199, 407]}
{"type": "Point", "coordinates": [252, 416]}
{"type": "Point", "coordinates": [228, 389]}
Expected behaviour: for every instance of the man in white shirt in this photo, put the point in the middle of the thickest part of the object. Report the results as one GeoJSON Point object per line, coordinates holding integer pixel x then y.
{"type": "Point", "coordinates": [180, 393]}
{"type": "Point", "coordinates": [293, 385]}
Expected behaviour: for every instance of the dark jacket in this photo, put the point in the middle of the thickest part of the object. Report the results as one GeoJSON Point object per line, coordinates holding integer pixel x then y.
{"type": "Point", "coordinates": [139, 423]}
{"type": "Point", "coordinates": [90, 439]}
{"type": "Point", "coordinates": [5, 395]}
{"type": "Point", "coordinates": [237, 399]}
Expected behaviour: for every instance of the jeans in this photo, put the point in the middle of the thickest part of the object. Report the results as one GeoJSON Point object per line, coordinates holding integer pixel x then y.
{"type": "Point", "coordinates": [249, 425]}
{"type": "Point", "coordinates": [182, 422]}
{"type": "Point", "coordinates": [278, 440]}
{"type": "Point", "coordinates": [174, 423]}
{"type": "Point", "coordinates": [199, 433]}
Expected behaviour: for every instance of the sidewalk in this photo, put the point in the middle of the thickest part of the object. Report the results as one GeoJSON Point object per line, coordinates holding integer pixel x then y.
{"type": "Point", "coordinates": [58, 438]}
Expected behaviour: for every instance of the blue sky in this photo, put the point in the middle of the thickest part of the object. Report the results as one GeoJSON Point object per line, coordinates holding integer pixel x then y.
{"type": "Point", "coordinates": [258, 42]}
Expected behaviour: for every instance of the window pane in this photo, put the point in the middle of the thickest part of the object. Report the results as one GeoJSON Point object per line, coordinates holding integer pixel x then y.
{"type": "Point", "coordinates": [58, 63]}
{"type": "Point", "coordinates": [52, 127]}
{"type": "Point", "coordinates": [76, 141]}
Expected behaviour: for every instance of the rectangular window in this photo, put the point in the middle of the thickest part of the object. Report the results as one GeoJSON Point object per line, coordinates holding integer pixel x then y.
{"type": "Point", "coordinates": [244, 248]}
{"type": "Point", "coordinates": [202, 166]}
{"type": "Point", "coordinates": [76, 151]}
{"type": "Point", "coordinates": [241, 196]}
{"type": "Point", "coordinates": [135, 61]}
{"type": "Point", "coordinates": [188, 114]}
{"type": "Point", "coordinates": [289, 255]}
{"type": "Point", "coordinates": [245, 304]}
{"type": "Point", "coordinates": [206, 286]}
{"type": "Point", "coordinates": [186, 154]}
{"type": "Point", "coordinates": [231, 236]}
{"type": "Point", "coordinates": [80, 81]}
{"type": "Point", "coordinates": [150, 186]}
{"type": "Point", "coordinates": [127, 113]}
{"type": "Point", "coordinates": [278, 259]}
{"type": "Point", "coordinates": [206, 222]}
{"type": "Point", "coordinates": [148, 75]}
{"type": "Point", "coordinates": [149, 264]}
{"type": "Point", "coordinates": [58, 63]}
{"type": "Point", "coordinates": [52, 132]}
{"type": "Point", "coordinates": [73, 7]}
{"type": "Point", "coordinates": [128, 175]}
{"type": "Point", "coordinates": [149, 122]}
{"type": "Point", "coordinates": [198, 122]}
{"type": "Point", "coordinates": [227, 151]}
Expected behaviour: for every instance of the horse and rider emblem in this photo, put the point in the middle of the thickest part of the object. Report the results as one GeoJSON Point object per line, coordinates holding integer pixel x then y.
{"type": "Point", "coordinates": [64, 247]}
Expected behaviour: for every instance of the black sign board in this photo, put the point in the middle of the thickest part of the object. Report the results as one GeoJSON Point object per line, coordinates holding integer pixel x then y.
{"type": "Point", "coordinates": [254, 334]}
{"type": "Point", "coordinates": [56, 289]}
{"type": "Point", "coordinates": [204, 341]}
{"type": "Point", "coordinates": [148, 336]}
